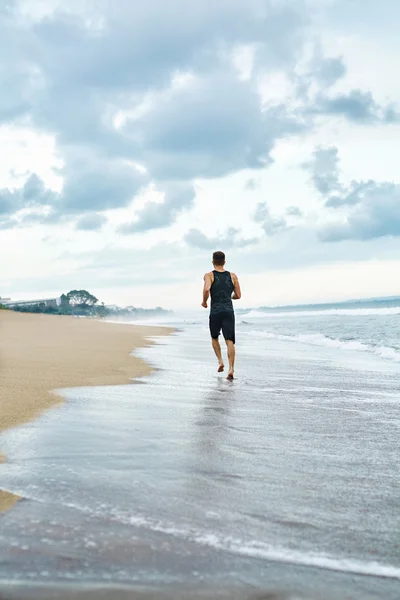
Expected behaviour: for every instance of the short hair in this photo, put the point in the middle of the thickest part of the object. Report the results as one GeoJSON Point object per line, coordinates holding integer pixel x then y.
{"type": "Point", "coordinates": [219, 259]}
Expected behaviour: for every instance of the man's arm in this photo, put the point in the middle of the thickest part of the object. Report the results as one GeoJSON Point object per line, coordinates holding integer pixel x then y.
{"type": "Point", "coordinates": [206, 289]}
{"type": "Point", "coordinates": [237, 292]}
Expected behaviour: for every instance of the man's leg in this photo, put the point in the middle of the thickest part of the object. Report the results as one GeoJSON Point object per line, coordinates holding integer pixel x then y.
{"type": "Point", "coordinates": [215, 329]}
{"type": "Point", "coordinates": [218, 354]}
{"type": "Point", "coordinates": [228, 329]}
{"type": "Point", "coordinates": [231, 358]}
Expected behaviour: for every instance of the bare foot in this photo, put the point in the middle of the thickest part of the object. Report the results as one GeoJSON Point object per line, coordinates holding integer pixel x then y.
{"type": "Point", "coordinates": [221, 368]}
{"type": "Point", "coordinates": [230, 376]}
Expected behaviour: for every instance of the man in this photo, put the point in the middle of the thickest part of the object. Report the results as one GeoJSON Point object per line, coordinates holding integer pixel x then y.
{"type": "Point", "coordinates": [223, 287]}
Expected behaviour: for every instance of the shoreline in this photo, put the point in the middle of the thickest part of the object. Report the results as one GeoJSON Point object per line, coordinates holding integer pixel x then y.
{"type": "Point", "coordinates": [42, 354]}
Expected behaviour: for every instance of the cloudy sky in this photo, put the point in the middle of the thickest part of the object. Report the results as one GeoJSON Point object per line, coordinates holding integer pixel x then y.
{"type": "Point", "coordinates": [137, 137]}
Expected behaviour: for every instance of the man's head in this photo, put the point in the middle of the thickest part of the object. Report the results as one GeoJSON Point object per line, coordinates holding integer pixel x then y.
{"type": "Point", "coordinates": [218, 259]}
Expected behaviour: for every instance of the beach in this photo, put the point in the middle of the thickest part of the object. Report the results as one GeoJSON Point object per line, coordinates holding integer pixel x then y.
{"type": "Point", "coordinates": [40, 354]}
{"type": "Point", "coordinates": [285, 480]}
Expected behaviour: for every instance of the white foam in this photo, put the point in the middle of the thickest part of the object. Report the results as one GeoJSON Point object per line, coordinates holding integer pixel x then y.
{"type": "Point", "coordinates": [351, 312]}
{"type": "Point", "coordinates": [275, 554]}
{"type": "Point", "coordinates": [357, 567]}
{"type": "Point", "coordinates": [318, 339]}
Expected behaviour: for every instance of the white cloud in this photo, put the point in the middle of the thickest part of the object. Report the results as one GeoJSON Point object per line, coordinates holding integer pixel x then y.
{"type": "Point", "coordinates": [157, 119]}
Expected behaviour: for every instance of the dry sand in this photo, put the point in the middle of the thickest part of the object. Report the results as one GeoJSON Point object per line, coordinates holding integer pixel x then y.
{"type": "Point", "coordinates": [41, 353]}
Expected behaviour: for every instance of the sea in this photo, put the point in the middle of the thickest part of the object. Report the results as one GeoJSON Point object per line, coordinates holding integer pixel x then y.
{"type": "Point", "coordinates": [285, 481]}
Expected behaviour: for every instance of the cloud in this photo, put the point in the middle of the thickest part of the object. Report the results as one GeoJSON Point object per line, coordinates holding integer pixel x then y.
{"type": "Point", "coordinates": [327, 71]}
{"type": "Point", "coordinates": [321, 73]}
{"type": "Point", "coordinates": [91, 222]}
{"type": "Point", "coordinates": [353, 194]}
{"type": "Point", "coordinates": [373, 208]}
{"type": "Point", "coordinates": [376, 214]}
{"type": "Point", "coordinates": [251, 185]}
{"type": "Point", "coordinates": [356, 106]}
{"type": "Point", "coordinates": [109, 266]}
{"type": "Point", "coordinates": [89, 186]}
{"type": "Point", "coordinates": [32, 194]}
{"type": "Point", "coordinates": [229, 239]}
{"type": "Point", "coordinates": [123, 83]}
{"type": "Point", "coordinates": [324, 170]}
{"type": "Point", "coordinates": [210, 127]}
{"type": "Point", "coordinates": [155, 215]}
{"type": "Point", "coordinates": [71, 76]}
{"type": "Point", "coordinates": [92, 184]}
{"type": "Point", "coordinates": [294, 211]}
{"type": "Point", "coordinates": [270, 224]}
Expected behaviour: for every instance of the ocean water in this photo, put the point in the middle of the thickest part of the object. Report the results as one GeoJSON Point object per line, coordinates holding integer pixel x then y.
{"type": "Point", "coordinates": [285, 479]}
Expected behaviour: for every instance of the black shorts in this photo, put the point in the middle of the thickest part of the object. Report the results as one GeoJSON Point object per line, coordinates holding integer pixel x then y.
{"type": "Point", "coordinates": [224, 321]}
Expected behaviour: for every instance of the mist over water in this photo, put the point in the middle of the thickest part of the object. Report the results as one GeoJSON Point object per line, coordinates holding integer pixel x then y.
{"type": "Point", "coordinates": [286, 479]}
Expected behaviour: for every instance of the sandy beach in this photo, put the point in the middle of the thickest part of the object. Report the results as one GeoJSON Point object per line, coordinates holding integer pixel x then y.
{"type": "Point", "coordinates": [43, 353]}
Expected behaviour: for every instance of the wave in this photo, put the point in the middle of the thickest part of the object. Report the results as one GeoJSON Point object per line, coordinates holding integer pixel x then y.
{"type": "Point", "coordinates": [264, 551]}
{"type": "Point", "coordinates": [250, 548]}
{"type": "Point", "coordinates": [260, 550]}
{"type": "Point", "coordinates": [318, 339]}
{"type": "Point", "coordinates": [350, 312]}
{"type": "Point", "coordinates": [256, 314]}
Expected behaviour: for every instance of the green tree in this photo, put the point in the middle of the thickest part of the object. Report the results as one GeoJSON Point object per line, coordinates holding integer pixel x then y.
{"type": "Point", "coordinates": [80, 298]}
{"type": "Point", "coordinates": [64, 304]}
{"type": "Point", "coordinates": [102, 311]}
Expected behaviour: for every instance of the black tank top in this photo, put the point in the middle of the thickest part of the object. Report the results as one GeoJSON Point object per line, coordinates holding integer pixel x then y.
{"type": "Point", "coordinates": [221, 292]}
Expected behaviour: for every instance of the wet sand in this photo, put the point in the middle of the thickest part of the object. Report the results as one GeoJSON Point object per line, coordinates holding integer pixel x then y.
{"type": "Point", "coordinates": [121, 593]}
{"type": "Point", "coordinates": [285, 480]}
{"type": "Point", "coordinates": [42, 353]}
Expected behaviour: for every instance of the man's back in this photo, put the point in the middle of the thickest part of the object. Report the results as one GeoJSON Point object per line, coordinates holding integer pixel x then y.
{"type": "Point", "coordinates": [221, 292]}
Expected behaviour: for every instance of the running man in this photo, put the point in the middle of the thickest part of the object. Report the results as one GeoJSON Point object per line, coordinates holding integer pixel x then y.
{"type": "Point", "coordinates": [223, 287]}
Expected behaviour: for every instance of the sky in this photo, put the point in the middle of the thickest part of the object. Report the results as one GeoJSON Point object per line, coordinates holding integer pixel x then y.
{"type": "Point", "coordinates": [137, 138]}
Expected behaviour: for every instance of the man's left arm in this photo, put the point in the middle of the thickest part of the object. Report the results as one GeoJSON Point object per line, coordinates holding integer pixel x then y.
{"type": "Point", "coordinates": [206, 289]}
{"type": "Point", "coordinates": [237, 292]}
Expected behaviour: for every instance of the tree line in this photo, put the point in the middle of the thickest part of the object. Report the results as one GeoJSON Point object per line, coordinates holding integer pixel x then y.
{"type": "Point", "coordinates": [82, 303]}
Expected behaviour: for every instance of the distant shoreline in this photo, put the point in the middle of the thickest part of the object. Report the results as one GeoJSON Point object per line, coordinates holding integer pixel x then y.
{"type": "Point", "coordinates": [43, 353]}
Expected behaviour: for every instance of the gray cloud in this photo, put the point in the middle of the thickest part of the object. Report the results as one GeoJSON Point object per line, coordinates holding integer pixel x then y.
{"type": "Point", "coordinates": [212, 127]}
{"type": "Point", "coordinates": [294, 211]}
{"type": "Point", "coordinates": [373, 208]}
{"type": "Point", "coordinates": [92, 184]}
{"type": "Point", "coordinates": [357, 106]}
{"type": "Point", "coordinates": [353, 194]}
{"type": "Point", "coordinates": [270, 224]}
{"type": "Point", "coordinates": [32, 194]}
{"type": "Point", "coordinates": [104, 185]}
{"type": "Point", "coordinates": [322, 72]}
{"type": "Point", "coordinates": [230, 239]}
{"type": "Point", "coordinates": [91, 222]}
{"type": "Point", "coordinates": [155, 215]}
{"type": "Point", "coordinates": [328, 70]}
{"type": "Point", "coordinates": [324, 170]}
{"type": "Point", "coordinates": [376, 215]}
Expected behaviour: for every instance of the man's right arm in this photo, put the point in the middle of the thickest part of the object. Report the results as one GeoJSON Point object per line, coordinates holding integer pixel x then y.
{"type": "Point", "coordinates": [206, 289]}
{"type": "Point", "coordinates": [237, 292]}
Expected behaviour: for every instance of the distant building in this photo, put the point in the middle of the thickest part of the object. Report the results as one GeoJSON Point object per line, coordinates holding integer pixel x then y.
{"type": "Point", "coordinates": [4, 300]}
{"type": "Point", "coordinates": [46, 301]}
